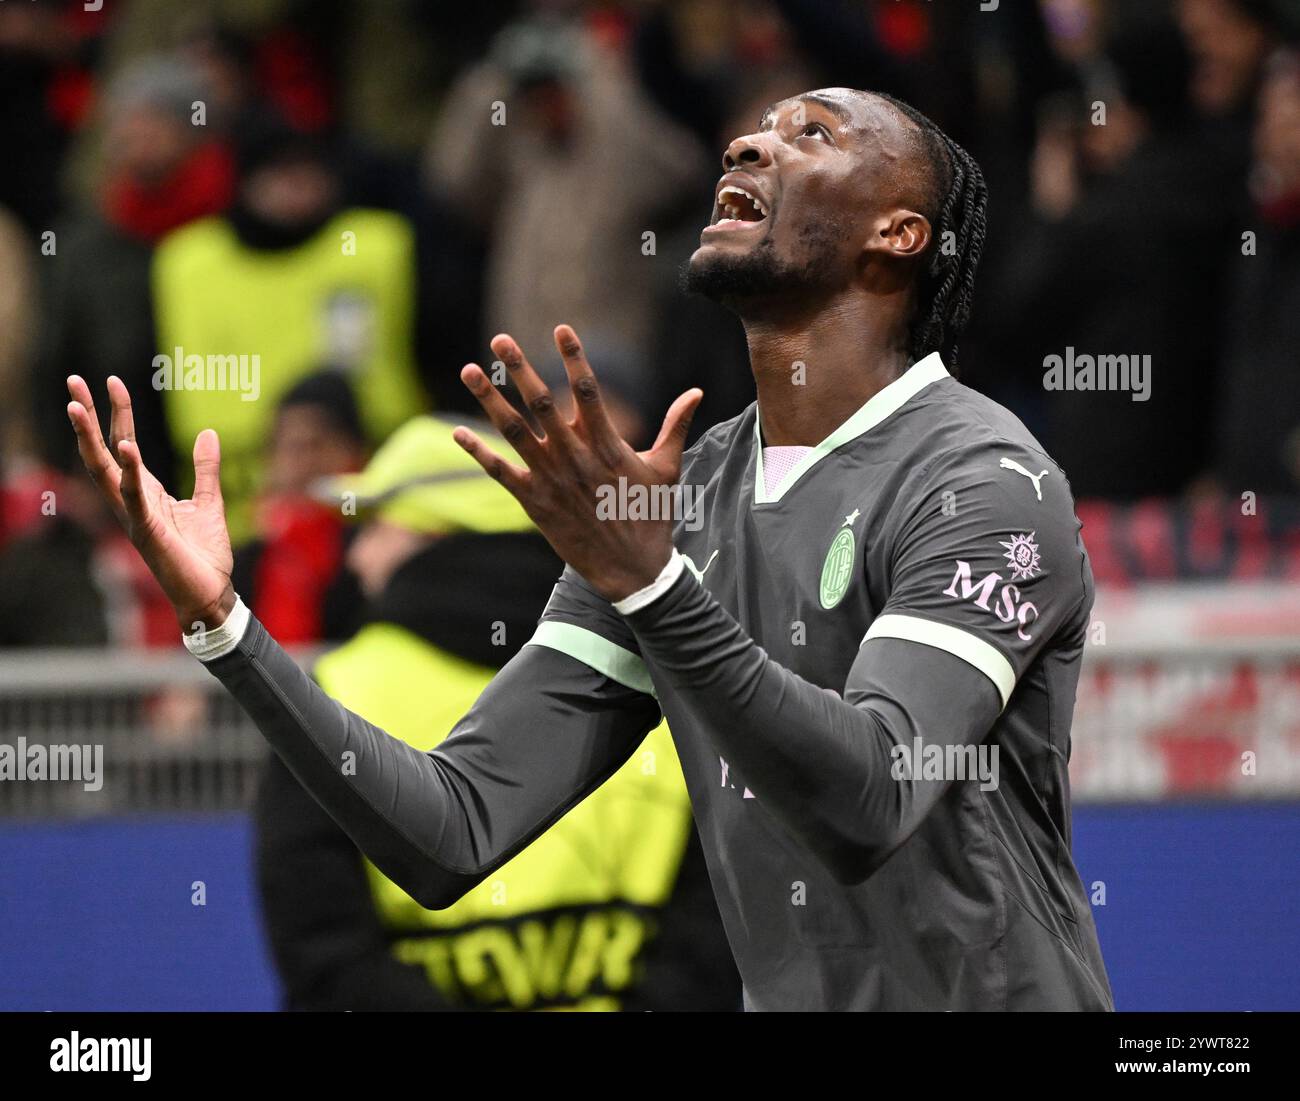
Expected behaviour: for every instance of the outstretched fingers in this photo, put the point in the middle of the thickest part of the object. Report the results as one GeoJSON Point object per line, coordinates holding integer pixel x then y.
{"type": "Point", "coordinates": [586, 394]}
{"type": "Point", "coordinates": [504, 417]}
{"type": "Point", "coordinates": [514, 478]}
{"type": "Point", "coordinates": [121, 425]}
{"type": "Point", "coordinates": [671, 441]}
{"type": "Point", "coordinates": [95, 456]}
{"type": "Point", "coordinates": [536, 394]}
{"type": "Point", "coordinates": [207, 469]}
{"type": "Point", "coordinates": [134, 496]}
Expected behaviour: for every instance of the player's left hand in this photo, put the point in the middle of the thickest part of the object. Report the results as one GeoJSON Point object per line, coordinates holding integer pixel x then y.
{"type": "Point", "coordinates": [567, 466]}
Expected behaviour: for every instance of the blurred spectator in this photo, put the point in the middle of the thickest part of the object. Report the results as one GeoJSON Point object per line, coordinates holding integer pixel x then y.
{"type": "Point", "coordinates": [71, 576]}
{"type": "Point", "coordinates": [1121, 256]}
{"type": "Point", "coordinates": [922, 52]}
{"type": "Point", "coordinates": [249, 72]}
{"type": "Point", "coordinates": [161, 171]}
{"type": "Point", "coordinates": [292, 574]}
{"type": "Point", "coordinates": [47, 55]}
{"type": "Point", "coordinates": [375, 70]}
{"type": "Point", "coordinates": [18, 324]}
{"type": "Point", "coordinates": [1229, 41]}
{"type": "Point", "coordinates": [610, 909]}
{"type": "Point", "coordinates": [285, 69]}
{"type": "Point", "coordinates": [400, 58]}
{"type": "Point", "coordinates": [1259, 399]}
{"type": "Point", "coordinates": [49, 596]}
{"type": "Point", "coordinates": [551, 145]}
{"type": "Point", "coordinates": [275, 52]}
{"type": "Point", "coordinates": [691, 53]}
{"type": "Point", "coordinates": [290, 278]}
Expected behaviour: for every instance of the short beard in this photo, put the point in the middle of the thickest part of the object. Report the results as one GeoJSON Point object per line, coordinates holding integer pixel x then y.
{"type": "Point", "coordinates": [733, 281]}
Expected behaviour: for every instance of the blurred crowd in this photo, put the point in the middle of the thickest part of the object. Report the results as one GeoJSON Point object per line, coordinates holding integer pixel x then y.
{"type": "Point", "coordinates": [340, 202]}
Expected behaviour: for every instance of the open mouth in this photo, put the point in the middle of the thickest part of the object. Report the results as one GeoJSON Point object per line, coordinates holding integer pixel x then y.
{"type": "Point", "coordinates": [736, 206]}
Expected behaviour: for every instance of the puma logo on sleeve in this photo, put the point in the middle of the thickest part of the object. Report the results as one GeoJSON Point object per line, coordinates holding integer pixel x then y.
{"type": "Point", "coordinates": [1011, 464]}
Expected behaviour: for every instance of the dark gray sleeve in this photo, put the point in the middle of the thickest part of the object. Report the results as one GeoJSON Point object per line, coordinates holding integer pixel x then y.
{"type": "Point", "coordinates": [987, 560]}
{"type": "Point", "coordinates": [545, 733]}
{"type": "Point", "coordinates": [975, 595]}
{"type": "Point", "coordinates": [822, 764]}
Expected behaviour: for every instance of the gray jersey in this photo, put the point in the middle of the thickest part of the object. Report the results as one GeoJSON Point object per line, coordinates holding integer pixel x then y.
{"type": "Point", "coordinates": [869, 678]}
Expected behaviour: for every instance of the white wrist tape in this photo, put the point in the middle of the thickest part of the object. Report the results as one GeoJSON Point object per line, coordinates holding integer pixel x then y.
{"type": "Point", "coordinates": [218, 642]}
{"type": "Point", "coordinates": [652, 592]}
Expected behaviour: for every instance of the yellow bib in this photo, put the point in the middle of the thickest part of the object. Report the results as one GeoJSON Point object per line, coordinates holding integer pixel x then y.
{"type": "Point", "coordinates": [238, 327]}
{"type": "Point", "coordinates": [566, 919]}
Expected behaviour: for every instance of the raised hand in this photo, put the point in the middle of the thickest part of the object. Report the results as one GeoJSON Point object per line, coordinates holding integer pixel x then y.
{"type": "Point", "coordinates": [576, 463]}
{"type": "Point", "coordinates": [184, 543]}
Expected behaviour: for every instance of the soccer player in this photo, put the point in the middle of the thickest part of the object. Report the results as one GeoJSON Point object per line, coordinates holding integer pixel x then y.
{"type": "Point", "coordinates": [864, 628]}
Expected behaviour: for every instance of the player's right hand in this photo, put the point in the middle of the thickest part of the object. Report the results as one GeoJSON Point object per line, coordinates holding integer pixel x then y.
{"type": "Point", "coordinates": [184, 543]}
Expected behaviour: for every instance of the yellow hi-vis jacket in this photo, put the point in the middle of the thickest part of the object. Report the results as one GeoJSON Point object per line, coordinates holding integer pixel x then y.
{"type": "Point", "coordinates": [563, 923]}
{"type": "Point", "coordinates": [238, 327]}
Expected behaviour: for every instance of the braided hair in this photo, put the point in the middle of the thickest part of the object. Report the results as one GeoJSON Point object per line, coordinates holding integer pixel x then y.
{"type": "Point", "coordinates": [947, 284]}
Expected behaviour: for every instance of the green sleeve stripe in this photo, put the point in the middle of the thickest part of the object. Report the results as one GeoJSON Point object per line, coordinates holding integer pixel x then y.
{"type": "Point", "coordinates": [961, 644]}
{"type": "Point", "coordinates": [599, 653]}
